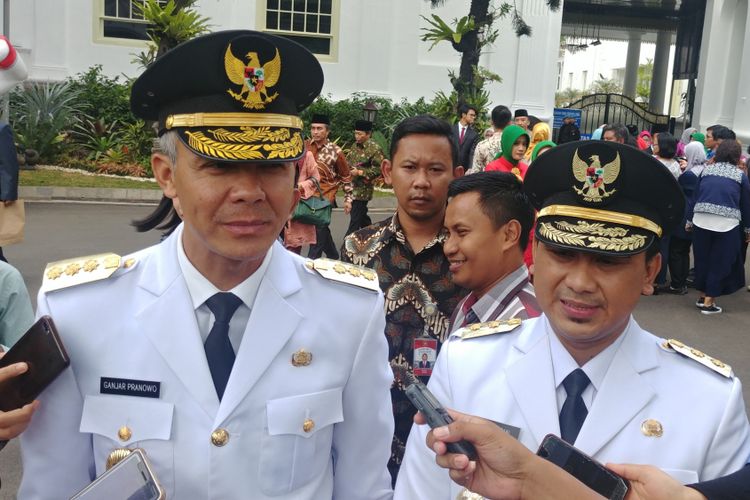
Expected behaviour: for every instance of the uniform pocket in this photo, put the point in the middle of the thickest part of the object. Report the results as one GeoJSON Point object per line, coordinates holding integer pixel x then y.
{"type": "Point", "coordinates": [131, 422]}
{"type": "Point", "coordinates": [683, 476]}
{"type": "Point", "coordinates": [296, 446]}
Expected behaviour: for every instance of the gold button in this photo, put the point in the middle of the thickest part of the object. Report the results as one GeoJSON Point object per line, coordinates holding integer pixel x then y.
{"type": "Point", "coordinates": [219, 437]}
{"type": "Point", "coordinates": [301, 358]}
{"type": "Point", "coordinates": [124, 433]}
{"type": "Point", "coordinates": [652, 428]}
{"type": "Point", "coordinates": [308, 425]}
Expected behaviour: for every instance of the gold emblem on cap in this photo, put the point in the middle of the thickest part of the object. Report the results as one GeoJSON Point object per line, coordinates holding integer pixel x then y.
{"type": "Point", "coordinates": [595, 177]}
{"type": "Point", "coordinates": [115, 456]}
{"type": "Point", "coordinates": [652, 428]}
{"type": "Point", "coordinates": [254, 79]}
{"type": "Point", "coordinates": [301, 358]}
{"type": "Point", "coordinates": [219, 437]}
{"type": "Point", "coordinates": [124, 433]}
{"type": "Point", "coordinates": [308, 425]}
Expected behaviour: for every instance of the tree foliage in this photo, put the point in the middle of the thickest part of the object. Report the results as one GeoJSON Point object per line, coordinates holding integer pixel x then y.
{"type": "Point", "coordinates": [468, 36]}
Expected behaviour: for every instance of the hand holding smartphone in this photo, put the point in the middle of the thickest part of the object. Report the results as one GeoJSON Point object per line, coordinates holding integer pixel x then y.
{"type": "Point", "coordinates": [42, 350]}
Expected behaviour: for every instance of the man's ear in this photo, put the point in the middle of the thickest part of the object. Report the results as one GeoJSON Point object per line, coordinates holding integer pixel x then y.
{"type": "Point", "coordinates": [512, 233]}
{"type": "Point", "coordinates": [458, 172]}
{"type": "Point", "coordinates": [164, 174]}
{"type": "Point", "coordinates": [653, 265]}
{"type": "Point", "coordinates": [385, 169]}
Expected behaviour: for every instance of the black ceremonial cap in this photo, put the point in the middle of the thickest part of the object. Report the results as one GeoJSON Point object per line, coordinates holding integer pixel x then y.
{"type": "Point", "coordinates": [232, 95]}
{"type": "Point", "coordinates": [363, 126]}
{"type": "Point", "coordinates": [320, 118]}
{"type": "Point", "coordinates": [602, 197]}
{"type": "Point", "coordinates": [520, 112]}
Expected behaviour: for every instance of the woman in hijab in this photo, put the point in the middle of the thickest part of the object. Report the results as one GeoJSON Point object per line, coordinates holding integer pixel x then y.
{"type": "Point", "coordinates": [540, 148]}
{"type": "Point", "coordinates": [644, 142]}
{"type": "Point", "coordinates": [515, 142]}
{"type": "Point", "coordinates": [685, 139]}
{"type": "Point", "coordinates": [539, 133]}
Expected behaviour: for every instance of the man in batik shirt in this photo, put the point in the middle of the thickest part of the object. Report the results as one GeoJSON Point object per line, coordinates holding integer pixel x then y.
{"type": "Point", "coordinates": [407, 253]}
{"type": "Point", "coordinates": [364, 159]}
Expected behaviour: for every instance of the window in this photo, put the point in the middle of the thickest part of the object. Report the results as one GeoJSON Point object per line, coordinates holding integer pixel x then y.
{"type": "Point", "coordinates": [121, 19]}
{"type": "Point", "coordinates": [312, 23]}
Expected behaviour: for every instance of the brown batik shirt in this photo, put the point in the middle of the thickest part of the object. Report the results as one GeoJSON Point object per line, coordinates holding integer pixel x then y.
{"type": "Point", "coordinates": [412, 284]}
{"type": "Point", "coordinates": [333, 169]}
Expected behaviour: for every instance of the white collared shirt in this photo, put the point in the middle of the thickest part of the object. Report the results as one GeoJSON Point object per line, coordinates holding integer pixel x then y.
{"type": "Point", "coordinates": [201, 289]}
{"type": "Point", "coordinates": [595, 369]}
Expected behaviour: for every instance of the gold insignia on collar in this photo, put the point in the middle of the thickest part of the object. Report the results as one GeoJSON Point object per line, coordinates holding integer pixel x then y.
{"type": "Point", "coordinates": [652, 428]}
{"type": "Point", "coordinates": [255, 79]}
{"type": "Point", "coordinates": [699, 356]}
{"type": "Point", "coordinates": [301, 358]}
{"type": "Point", "coordinates": [489, 328]}
{"type": "Point", "coordinates": [595, 177]}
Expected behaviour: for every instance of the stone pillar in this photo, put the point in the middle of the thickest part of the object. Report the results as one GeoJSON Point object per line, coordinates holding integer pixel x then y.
{"type": "Point", "coordinates": [631, 64]}
{"type": "Point", "coordinates": [659, 77]}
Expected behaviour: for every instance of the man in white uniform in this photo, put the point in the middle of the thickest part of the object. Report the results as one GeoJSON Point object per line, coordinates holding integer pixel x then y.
{"type": "Point", "coordinates": [585, 370]}
{"type": "Point", "coordinates": [241, 369]}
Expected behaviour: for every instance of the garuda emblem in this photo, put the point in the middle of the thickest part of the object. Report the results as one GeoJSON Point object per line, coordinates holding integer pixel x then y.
{"type": "Point", "coordinates": [595, 177]}
{"type": "Point", "coordinates": [254, 79]}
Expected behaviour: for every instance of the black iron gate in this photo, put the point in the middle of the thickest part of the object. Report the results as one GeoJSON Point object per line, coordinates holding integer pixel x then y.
{"type": "Point", "coordinates": [597, 109]}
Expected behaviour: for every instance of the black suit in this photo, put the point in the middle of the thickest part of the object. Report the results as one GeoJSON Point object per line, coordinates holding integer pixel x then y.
{"type": "Point", "coordinates": [8, 168]}
{"type": "Point", "coordinates": [465, 147]}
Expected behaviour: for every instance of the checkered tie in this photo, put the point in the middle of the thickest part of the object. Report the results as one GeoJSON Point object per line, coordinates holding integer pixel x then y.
{"type": "Point", "coordinates": [219, 352]}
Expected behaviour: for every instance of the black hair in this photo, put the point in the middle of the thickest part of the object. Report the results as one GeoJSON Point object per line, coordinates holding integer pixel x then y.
{"type": "Point", "coordinates": [722, 133]}
{"type": "Point", "coordinates": [424, 124]}
{"type": "Point", "coordinates": [632, 129]}
{"type": "Point", "coordinates": [667, 145]}
{"type": "Point", "coordinates": [501, 116]}
{"type": "Point", "coordinates": [654, 249]}
{"type": "Point", "coordinates": [729, 151]}
{"type": "Point", "coordinates": [464, 108]}
{"type": "Point", "coordinates": [620, 131]}
{"type": "Point", "coordinates": [501, 198]}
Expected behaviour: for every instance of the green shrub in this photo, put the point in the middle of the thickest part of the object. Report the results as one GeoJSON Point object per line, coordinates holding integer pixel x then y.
{"type": "Point", "coordinates": [102, 98]}
{"type": "Point", "coordinates": [41, 114]}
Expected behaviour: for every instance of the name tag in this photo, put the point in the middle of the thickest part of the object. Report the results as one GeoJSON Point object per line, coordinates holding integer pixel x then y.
{"type": "Point", "coordinates": [128, 387]}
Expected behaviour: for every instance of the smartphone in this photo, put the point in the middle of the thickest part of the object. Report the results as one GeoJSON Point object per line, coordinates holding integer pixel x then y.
{"type": "Point", "coordinates": [41, 348]}
{"type": "Point", "coordinates": [424, 401]}
{"type": "Point", "coordinates": [583, 467]}
{"type": "Point", "coordinates": [130, 479]}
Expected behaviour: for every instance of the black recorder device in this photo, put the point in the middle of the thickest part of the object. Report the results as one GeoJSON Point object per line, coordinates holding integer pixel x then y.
{"type": "Point", "coordinates": [583, 467]}
{"type": "Point", "coordinates": [42, 350]}
{"type": "Point", "coordinates": [424, 401]}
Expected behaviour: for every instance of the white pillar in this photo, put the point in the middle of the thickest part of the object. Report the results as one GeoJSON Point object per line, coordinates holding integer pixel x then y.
{"type": "Point", "coordinates": [631, 64]}
{"type": "Point", "coordinates": [659, 77]}
{"type": "Point", "coordinates": [742, 106]}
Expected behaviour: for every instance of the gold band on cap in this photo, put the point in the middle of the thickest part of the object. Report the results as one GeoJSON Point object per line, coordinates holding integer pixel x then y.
{"type": "Point", "coordinates": [233, 120]}
{"type": "Point", "coordinates": [602, 216]}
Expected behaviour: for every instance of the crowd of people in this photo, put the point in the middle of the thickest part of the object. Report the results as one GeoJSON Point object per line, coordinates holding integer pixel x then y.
{"type": "Point", "coordinates": [506, 280]}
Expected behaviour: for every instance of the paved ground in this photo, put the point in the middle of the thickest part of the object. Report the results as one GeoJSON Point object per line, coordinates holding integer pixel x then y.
{"type": "Point", "coordinates": [63, 230]}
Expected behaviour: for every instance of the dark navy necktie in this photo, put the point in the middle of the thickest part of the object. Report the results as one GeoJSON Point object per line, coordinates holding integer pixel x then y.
{"type": "Point", "coordinates": [574, 410]}
{"type": "Point", "coordinates": [219, 352]}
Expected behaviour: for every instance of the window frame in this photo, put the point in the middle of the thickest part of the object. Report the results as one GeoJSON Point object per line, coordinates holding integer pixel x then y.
{"type": "Point", "coordinates": [98, 28]}
{"type": "Point", "coordinates": [332, 56]}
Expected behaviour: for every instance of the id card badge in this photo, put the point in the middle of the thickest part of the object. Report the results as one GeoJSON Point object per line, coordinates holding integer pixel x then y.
{"type": "Point", "coordinates": [425, 353]}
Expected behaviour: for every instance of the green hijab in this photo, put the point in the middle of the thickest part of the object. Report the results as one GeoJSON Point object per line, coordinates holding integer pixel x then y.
{"type": "Point", "coordinates": [697, 136]}
{"type": "Point", "coordinates": [539, 147]}
{"type": "Point", "coordinates": [511, 133]}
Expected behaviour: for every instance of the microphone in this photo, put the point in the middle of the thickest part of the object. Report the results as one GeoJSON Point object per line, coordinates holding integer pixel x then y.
{"type": "Point", "coordinates": [12, 68]}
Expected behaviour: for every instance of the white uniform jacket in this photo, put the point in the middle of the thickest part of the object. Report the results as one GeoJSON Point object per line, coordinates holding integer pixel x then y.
{"type": "Point", "coordinates": [139, 324]}
{"type": "Point", "coordinates": [509, 378]}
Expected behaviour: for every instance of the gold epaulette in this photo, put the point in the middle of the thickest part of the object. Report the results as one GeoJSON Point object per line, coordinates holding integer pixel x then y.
{"type": "Point", "coordinates": [699, 356]}
{"type": "Point", "coordinates": [489, 328]}
{"type": "Point", "coordinates": [72, 272]}
{"type": "Point", "coordinates": [351, 274]}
